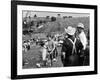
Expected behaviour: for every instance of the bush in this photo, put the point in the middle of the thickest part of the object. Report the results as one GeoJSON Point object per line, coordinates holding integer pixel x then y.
{"type": "Point", "coordinates": [53, 18]}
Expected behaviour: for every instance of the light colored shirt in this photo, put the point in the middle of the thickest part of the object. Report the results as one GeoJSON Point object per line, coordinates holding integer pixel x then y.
{"type": "Point", "coordinates": [44, 53]}
{"type": "Point", "coordinates": [51, 45]}
{"type": "Point", "coordinates": [83, 39]}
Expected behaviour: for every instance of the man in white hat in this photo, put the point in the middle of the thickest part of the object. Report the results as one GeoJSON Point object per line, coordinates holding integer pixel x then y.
{"type": "Point", "coordinates": [70, 48]}
{"type": "Point", "coordinates": [81, 35]}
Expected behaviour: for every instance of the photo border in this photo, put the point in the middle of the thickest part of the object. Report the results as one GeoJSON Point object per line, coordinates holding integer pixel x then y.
{"type": "Point", "coordinates": [14, 39]}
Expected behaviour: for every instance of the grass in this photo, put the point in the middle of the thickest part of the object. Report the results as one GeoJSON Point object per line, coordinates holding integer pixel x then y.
{"type": "Point", "coordinates": [34, 55]}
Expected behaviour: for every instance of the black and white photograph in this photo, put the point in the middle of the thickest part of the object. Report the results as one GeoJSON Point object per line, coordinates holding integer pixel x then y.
{"type": "Point", "coordinates": [53, 39]}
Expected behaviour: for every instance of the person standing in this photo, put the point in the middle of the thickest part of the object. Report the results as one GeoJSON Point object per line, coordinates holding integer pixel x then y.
{"type": "Point", "coordinates": [82, 37]}
{"type": "Point", "coordinates": [44, 55]}
{"type": "Point", "coordinates": [51, 48]}
{"type": "Point", "coordinates": [44, 52]}
{"type": "Point", "coordinates": [70, 48]}
{"type": "Point", "coordinates": [55, 52]}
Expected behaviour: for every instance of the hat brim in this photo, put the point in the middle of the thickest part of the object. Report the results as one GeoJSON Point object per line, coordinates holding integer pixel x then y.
{"type": "Point", "coordinates": [70, 32]}
{"type": "Point", "coordinates": [80, 27]}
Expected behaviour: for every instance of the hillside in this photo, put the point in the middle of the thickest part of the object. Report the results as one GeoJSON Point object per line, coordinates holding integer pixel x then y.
{"type": "Point", "coordinates": [59, 25]}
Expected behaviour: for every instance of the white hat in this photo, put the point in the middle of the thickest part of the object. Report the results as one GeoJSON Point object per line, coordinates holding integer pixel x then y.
{"type": "Point", "coordinates": [80, 25]}
{"type": "Point", "coordinates": [70, 30]}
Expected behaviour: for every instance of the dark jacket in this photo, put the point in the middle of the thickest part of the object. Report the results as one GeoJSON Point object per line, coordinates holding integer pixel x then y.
{"type": "Point", "coordinates": [67, 46]}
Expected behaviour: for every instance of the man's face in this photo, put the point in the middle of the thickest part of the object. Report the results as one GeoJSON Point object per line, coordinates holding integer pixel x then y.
{"type": "Point", "coordinates": [79, 30]}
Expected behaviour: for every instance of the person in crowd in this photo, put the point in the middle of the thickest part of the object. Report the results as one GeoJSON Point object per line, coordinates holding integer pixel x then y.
{"type": "Point", "coordinates": [82, 37]}
{"type": "Point", "coordinates": [28, 45]}
{"type": "Point", "coordinates": [70, 48]}
{"type": "Point", "coordinates": [55, 52]}
{"type": "Point", "coordinates": [51, 48]}
{"type": "Point", "coordinates": [25, 46]}
{"type": "Point", "coordinates": [44, 52]}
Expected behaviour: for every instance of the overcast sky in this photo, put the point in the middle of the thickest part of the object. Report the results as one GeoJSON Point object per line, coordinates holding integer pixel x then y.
{"type": "Point", "coordinates": [44, 14]}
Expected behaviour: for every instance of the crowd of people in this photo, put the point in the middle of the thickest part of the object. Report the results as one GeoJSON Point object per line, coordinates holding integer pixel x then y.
{"type": "Point", "coordinates": [73, 47]}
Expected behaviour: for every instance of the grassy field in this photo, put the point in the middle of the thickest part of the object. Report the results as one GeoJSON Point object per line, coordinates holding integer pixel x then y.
{"type": "Point", "coordinates": [34, 55]}
{"type": "Point", "coordinates": [58, 26]}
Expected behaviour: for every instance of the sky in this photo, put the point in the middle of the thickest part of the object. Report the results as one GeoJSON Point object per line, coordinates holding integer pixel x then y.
{"type": "Point", "coordinates": [44, 14]}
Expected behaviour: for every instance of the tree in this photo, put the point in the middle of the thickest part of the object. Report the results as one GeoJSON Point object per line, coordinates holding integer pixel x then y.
{"type": "Point", "coordinates": [53, 18]}
{"type": "Point", "coordinates": [35, 16]}
{"type": "Point", "coordinates": [59, 15]}
{"type": "Point", "coordinates": [47, 17]}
